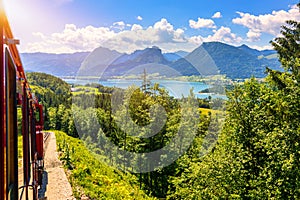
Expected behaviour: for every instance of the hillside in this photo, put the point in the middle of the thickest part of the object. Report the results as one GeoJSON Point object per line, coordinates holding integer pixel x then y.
{"type": "Point", "coordinates": [215, 57]}
{"type": "Point", "coordinates": [50, 90]}
{"type": "Point", "coordinates": [172, 57]}
{"type": "Point", "coordinates": [255, 51]}
{"type": "Point", "coordinates": [149, 58]}
{"type": "Point", "coordinates": [91, 177]}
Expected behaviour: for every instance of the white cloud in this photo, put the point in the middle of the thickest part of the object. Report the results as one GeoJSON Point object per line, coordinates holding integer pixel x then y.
{"type": "Point", "coordinates": [196, 39]}
{"type": "Point", "coordinates": [39, 34]}
{"type": "Point", "coordinates": [164, 25]}
{"type": "Point", "coordinates": [136, 27]}
{"type": "Point", "coordinates": [119, 25]}
{"type": "Point", "coordinates": [139, 18]}
{"type": "Point", "coordinates": [223, 34]}
{"type": "Point", "coordinates": [161, 34]}
{"type": "Point", "coordinates": [267, 23]}
{"type": "Point", "coordinates": [202, 23]}
{"type": "Point", "coordinates": [260, 47]}
{"type": "Point", "coordinates": [217, 15]}
{"type": "Point", "coordinates": [71, 39]}
{"type": "Point", "coordinates": [253, 36]}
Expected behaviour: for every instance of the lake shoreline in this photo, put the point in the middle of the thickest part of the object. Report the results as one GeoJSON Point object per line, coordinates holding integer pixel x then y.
{"type": "Point", "coordinates": [175, 88]}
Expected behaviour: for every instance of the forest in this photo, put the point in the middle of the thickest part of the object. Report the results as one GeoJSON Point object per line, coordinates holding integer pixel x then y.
{"type": "Point", "coordinates": [248, 149]}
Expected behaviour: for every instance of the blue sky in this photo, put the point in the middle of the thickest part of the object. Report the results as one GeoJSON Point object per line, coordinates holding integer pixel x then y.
{"type": "Point", "coordinates": [59, 26]}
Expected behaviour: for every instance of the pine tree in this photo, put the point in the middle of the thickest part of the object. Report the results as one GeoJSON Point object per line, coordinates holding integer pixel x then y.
{"type": "Point", "coordinates": [288, 48]}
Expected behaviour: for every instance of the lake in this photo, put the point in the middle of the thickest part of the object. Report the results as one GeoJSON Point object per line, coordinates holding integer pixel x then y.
{"type": "Point", "coordinates": [175, 88]}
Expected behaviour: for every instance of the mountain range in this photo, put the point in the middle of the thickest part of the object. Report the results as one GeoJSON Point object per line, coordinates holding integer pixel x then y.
{"type": "Point", "coordinates": [210, 58]}
{"type": "Point", "coordinates": [55, 64]}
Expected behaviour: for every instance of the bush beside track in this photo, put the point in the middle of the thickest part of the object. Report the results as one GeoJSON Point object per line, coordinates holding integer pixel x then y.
{"type": "Point", "coordinates": [89, 176]}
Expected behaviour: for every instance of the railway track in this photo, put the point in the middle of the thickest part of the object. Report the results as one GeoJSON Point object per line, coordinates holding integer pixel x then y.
{"type": "Point", "coordinates": [46, 135]}
{"type": "Point", "coordinates": [45, 138]}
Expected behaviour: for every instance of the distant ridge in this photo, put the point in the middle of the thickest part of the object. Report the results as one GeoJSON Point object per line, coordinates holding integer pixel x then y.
{"type": "Point", "coordinates": [97, 61]}
{"type": "Point", "coordinates": [172, 57]}
{"type": "Point", "coordinates": [218, 58]}
{"type": "Point", "coordinates": [256, 52]}
{"type": "Point", "coordinates": [210, 58]}
{"type": "Point", "coordinates": [129, 63]}
{"type": "Point", "coordinates": [55, 64]}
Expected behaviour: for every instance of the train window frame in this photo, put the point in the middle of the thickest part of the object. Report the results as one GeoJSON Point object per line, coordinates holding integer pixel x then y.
{"type": "Point", "coordinates": [11, 124]}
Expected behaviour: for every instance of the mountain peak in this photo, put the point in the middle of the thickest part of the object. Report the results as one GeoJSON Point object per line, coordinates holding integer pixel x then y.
{"type": "Point", "coordinates": [208, 59]}
{"type": "Point", "coordinates": [243, 46]}
{"type": "Point", "coordinates": [219, 58]}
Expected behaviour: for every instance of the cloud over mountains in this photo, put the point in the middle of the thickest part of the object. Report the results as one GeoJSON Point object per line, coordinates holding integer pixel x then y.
{"type": "Point", "coordinates": [125, 37]}
{"type": "Point", "coordinates": [202, 23]}
{"type": "Point", "coordinates": [268, 23]}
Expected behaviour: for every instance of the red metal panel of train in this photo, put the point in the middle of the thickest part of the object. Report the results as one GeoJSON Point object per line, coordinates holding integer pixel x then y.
{"type": "Point", "coordinates": [40, 145]}
{"type": "Point", "coordinates": [14, 91]}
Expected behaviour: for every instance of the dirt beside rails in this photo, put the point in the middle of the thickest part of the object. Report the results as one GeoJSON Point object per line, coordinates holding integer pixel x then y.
{"type": "Point", "coordinates": [55, 183]}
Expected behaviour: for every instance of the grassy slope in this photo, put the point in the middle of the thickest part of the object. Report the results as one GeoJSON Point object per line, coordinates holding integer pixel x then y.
{"type": "Point", "coordinates": [85, 89]}
{"type": "Point", "coordinates": [205, 111]}
{"type": "Point", "coordinates": [92, 177]}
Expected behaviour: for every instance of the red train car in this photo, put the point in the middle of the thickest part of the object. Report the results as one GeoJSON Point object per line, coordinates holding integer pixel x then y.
{"type": "Point", "coordinates": [15, 93]}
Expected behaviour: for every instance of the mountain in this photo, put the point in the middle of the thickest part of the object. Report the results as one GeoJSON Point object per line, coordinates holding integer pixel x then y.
{"type": "Point", "coordinates": [198, 62]}
{"type": "Point", "coordinates": [268, 52]}
{"type": "Point", "coordinates": [219, 58]}
{"type": "Point", "coordinates": [256, 52]}
{"type": "Point", "coordinates": [182, 53]}
{"type": "Point", "coordinates": [249, 50]}
{"type": "Point", "coordinates": [98, 61]}
{"type": "Point", "coordinates": [172, 57]}
{"type": "Point", "coordinates": [55, 64]}
{"type": "Point", "coordinates": [268, 57]}
{"type": "Point", "coordinates": [210, 58]}
{"type": "Point", "coordinates": [149, 58]}
{"type": "Point", "coordinates": [234, 62]}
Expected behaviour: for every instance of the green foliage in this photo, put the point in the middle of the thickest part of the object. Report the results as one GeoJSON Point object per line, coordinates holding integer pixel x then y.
{"type": "Point", "coordinates": [55, 96]}
{"type": "Point", "coordinates": [257, 154]}
{"type": "Point", "coordinates": [91, 177]}
{"type": "Point", "coordinates": [52, 90]}
{"type": "Point", "coordinates": [288, 47]}
{"type": "Point", "coordinates": [130, 118]}
{"type": "Point", "coordinates": [20, 146]}
{"type": "Point", "coordinates": [96, 119]}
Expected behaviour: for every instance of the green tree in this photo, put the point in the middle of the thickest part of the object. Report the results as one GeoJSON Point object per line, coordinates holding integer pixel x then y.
{"type": "Point", "coordinates": [288, 47]}
{"type": "Point", "coordinates": [257, 154]}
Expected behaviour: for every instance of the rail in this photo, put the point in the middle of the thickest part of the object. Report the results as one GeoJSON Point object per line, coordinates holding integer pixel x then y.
{"type": "Point", "coordinates": [46, 136]}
